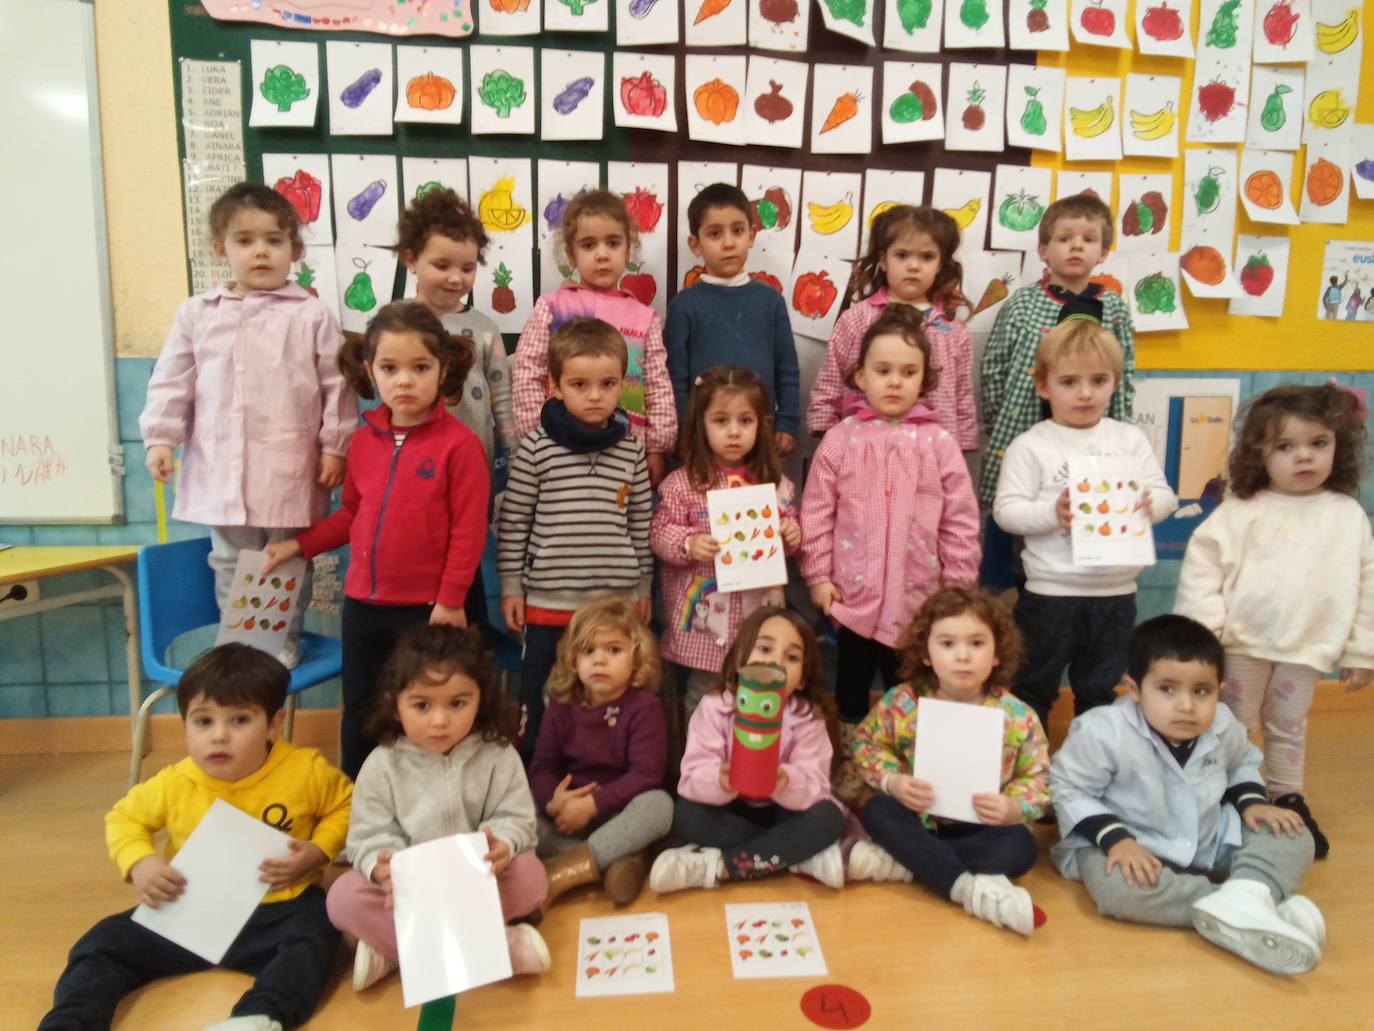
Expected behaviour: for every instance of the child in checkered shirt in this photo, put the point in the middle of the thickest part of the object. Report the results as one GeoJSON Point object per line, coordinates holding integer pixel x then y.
{"type": "Point", "coordinates": [727, 442]}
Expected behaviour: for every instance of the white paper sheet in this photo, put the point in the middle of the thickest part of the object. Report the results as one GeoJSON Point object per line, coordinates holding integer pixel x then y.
{"type": "Point", "coordinates": [502, 90]}
{"type": "Point", "coordinates": [963, 196]}
{"type": "Point", "coordinates": [773, 939]}
{"type": "Point", "coordinates": [1155, 293]}
{"type": "Point", "coordinates": [504, 285]}
{"type": "Point", "coordinates": [1150, 128]}
{"type": "Point", "coordinates": [521, 19]}
{"type": "Point", "coordinates": [1164, 27]}
{"type": "Point", "coordinates": [572, 91]}
{"type": "Point", "coordinates": [1144, 206]}
{"type": "Point", "coordinates": [715, 88]}
{"type": "Point", "coordinates": [1276, 108]}
{"type": "Point", "coordinates": [1326, 159]}
{"type": "Point", "coordinates": [975, 107]}
{"type": "Point", "coordinates": [1035, 104]}
{"type": "Point", "coordinates": [842, 109]}
{"type": "Point", "coordinates": [644, 88]}
{"type": "Point", "coordinates": [716, 26]}
{"type": "Point", "coordinates": [1092, 119]}
{"type": "Point", "coordinates": [830, 211]}
{"type": "Point", "coordinates": [813, 292]}
{"type": "Point", "coordinates": [914, 27]}
{"type": "Point", "coordinates": [1283, 32]}
{"type": "Point", "coordinates": [360, 87]}
{"type": "Point", "coordinates": [260, 606]}
{"type": "Point", "coordinates": [1020, 196]}
{"type": "Point", "coordinates": [429, 84]}
{"type": "Point", "coordinates": [1071, 181]}
{"type": "Point", "coordinates": [745, 522]}
{"type": "Point", "coordinates": [775, 104]}
{"type": "Point", "coordinates": [285, 84]}
{"type": "Point", "coordinates": [577, 15]}
{"type": "Point", "coordinates": [888, 188]}
{"type": "Point", "coordinates": [304, 180]}
{"type": "Point", "coordinates": [1262, 268]}
{"type": "Point", "coordinates": [1108, 522]}
{"type": "Point", "coordinates": [224, 886]}
{"type": "Point", "coordinates": [974, 23]}
{"type": "Point", "coordinates": [1260, 172]}
{"type": "Point", "coordinates": [1330, 87]}
{"type": "Point", "coordinates": [911, 108]}
{"type": "Point", "coordinates": [449, 928]}
{"type": "Point", "coordinates": [852, 18]}
{"type": "Point", "coordinates": [419, 174]}
{"type": "Point", "coordinates": [624, 955]}
{"type": "Point", "coordinates": [783, 186]}
{"type": "Point", "coordinates": [644, 22]}
{"type": "Point", "coordinates": [990, 277]}
{"type": "Point", "coordinates": [1362, 161]}
{"type": "Point", "coordinates": [1218, 104]}
{"type": "Point", "coordinates": [366, 201]}
{"type": "Point", "coordinates": [501, 193]}
{"type": "Point", "coordinates": [1038, 24]}
{"type": "Point", "coordinates": [1209, 191]}
{"type": "Point", "coordinates": [1224, 29]}
{"type": "Point", "coordinates": [1099, 23]}
{"type": "Point", "coordinates": [779, 24]}
{"type": "Point", "coordinates": [959, 753]}
{"type": "Point", "coordinates": [366, 281]}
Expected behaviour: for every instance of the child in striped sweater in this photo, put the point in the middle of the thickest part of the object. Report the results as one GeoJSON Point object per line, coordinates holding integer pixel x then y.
{"type": "Point", "coordinates": [574, 522]}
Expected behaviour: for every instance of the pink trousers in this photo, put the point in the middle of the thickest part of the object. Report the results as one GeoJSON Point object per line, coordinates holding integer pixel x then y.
{"type": "Point", "coordinates": [358, 907]}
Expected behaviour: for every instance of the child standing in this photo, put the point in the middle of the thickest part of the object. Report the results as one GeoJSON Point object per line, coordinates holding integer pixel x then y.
{"type": "Point", "coordinates": [597, 772]}
{"type": "Point", "coordinates": [1283, 573]}
{"type": "Point", "coordinates": [1070, 615]}
{"type": "Point", "coordinates": [727, 318]}
{"type": "Point", "coordinates": [888, 514]}
{"type": "Point", "coordinates": [1161, 792]}
{"type": "Point", "coordinates": [728, 442]}
{"type": "Point", "coordinates": [574, 521]}
{"type": "Point", "coordinates": [969, 644]}
{"type": "Point", "coordinates": [414, 503]}
{"type": "Point", "coordinates": [230, 699]}
{"type": "Point", "coordinates": [737, 839]}
{"type": "Point", "coordinates": [248, 387]}
{"type": "Point", "coordinates": [910, 261]}
{"type": "Point", "coordinates": [443, 766]}
{"type": "Point", "coordinates": [598, 238]}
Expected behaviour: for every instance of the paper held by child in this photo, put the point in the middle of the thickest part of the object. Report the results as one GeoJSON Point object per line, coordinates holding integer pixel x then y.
{"type": "Point", "coordinates": [773, 939]}
{"type": "Point", "coordinates": [449, 929]}
{"type": "Point", "coordinates": [220, 862]}
{"type": "Point", "coordinates": [1109, 523]}
{"type": "Point", "coordinates": [746, 525]}
{"type": "Point", "coordinates": [624, 955]}
{"type": "Point", "coordinates": [261, 605]}
{"type": "Point", "coordinates": [959, 753]}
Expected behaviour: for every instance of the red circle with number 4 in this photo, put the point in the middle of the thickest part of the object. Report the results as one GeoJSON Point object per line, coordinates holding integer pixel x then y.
{"type": "Point", "coordinates": [835, 1006]}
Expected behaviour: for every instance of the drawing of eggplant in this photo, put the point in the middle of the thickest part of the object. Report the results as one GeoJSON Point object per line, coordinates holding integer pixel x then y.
{"type": "Point", "coordinates": [641, 8]}
{"type": "Point", "coordinates": [361, 206]}
{"type": "Point", "coordinates": [573, 94]}
{"type": "Point", "coordinates": [356, 92]}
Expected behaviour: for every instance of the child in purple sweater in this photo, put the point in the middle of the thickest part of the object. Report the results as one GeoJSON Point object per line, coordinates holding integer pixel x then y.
{"type": "Point", "coordinates": [599, 762]}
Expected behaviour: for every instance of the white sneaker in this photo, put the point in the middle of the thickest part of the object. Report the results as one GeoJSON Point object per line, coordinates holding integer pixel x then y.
{"type": "Point", "coordinates": [826, 866]}
{"type": "Point", "coordinates": [370, 966]}
{"type": "Point", "coordinates": [1302, 913]}
{"type": "Point", "coordinates": [528, 952]}
{"type": "Point", "coordinates": [992, 897]}
{"type": "Point", "coordinates": [690, 866]}
{"type": "Point", "coordinates": [256, 1022]}
{"type": "Point", "coordinates": [869, 861]}
{"type": "Point", "coordinates": [290, 654]}
{"type": "Point", "coordinates": [1241, 917]}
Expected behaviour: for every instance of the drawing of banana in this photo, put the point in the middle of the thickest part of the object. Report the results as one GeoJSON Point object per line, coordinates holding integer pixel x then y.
{"type": "Point", "coordinates": [880, 208]}
{"type": "Point", "coordinates": [1332, 39]}
{"type": "Point", "coordinates": [831, 218]}
{"type": "Point", "coordinates": [966, 213]}
{"type": "Point", "coordinates": [1155, 124]}
{"type": "Point", "coordinates": [1093, 122]}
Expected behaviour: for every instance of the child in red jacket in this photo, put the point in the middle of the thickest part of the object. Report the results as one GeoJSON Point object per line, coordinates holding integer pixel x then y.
{"type": "Point", "coordinates": [414, 502]}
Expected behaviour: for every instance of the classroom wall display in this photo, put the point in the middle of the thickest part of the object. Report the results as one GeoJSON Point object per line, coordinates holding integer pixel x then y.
{"type": "Point", "coordinates": [419, 175]}
{"type": "Point", "coordinates": [841, 109]}
{"type": "Point", "coordinates": [990, 277]}
{"type": "Point", "coordinates": [813, 291]}
{"type": "Point", "coordinates": [384, 17]}
{"type": "Point", "coordinates": [1144, 206]}
{"type": "Point", "coordinates": [1266, 186]}
{"type": "Point", "coordinates": [365, 275]}
{"type": "Point", "coordinates": [1152, 105]}
{"type": "Point", "coordinates": [1362, 161]}
{"type": "Point", "coordinates": [360, 81]}
{"type": "Point", "coordinates": [1207, 239]}
{"type": "Point", "coordinates": [715, 86]}
{"type": "Point", "coordinates": [316, 270]}
{"type": "Point", "coordinates": [1071, 181]}
{"type": "Point", "coordinates": [502, 90]}
{"type": "Point", "coordinates": [831, 205]}
{"type": "Point", "coordinates": [1276, 113]}
{"type": "Point", "coordinates": [429, 85]}
{"type": "Point", "coordinates": [1099, 23]}
{"type": "Point", "coordinates": [502, 194]}
{"type": "Point", "coordinates": [913, 25]}
{"type": "Point", "coordinates": [504, 285]}
{"type": "Point", "coordinates": [644, 22]}
{"type": "Point", "coordinates": [572, 88]}
{"type": "Point", "coordinates": [644, 91]}
{"type": "Point", "coordinates": [644, 185]}
{"type": "Point", "coordinates": [778, 24]}
{"type": "Point", "coordinates": [1020, 196]}
{"type": "Point", "coordinates": [716, 23]}
{"type": "Point", "coordinates": [366, 201]}
{"type": "Point", "coordinates": [286, 83]}
{"type": "Point", "coordinates": [911, 101]}
{"type": "Point", "coordinates": [1326, 183]}
{"type": "Point", "coordinates": [1329, 101]}
{"type": "Point", "coordinates": [963, 196]}
{"type": "Point", "coordinates": [304, 180]}
{"type": "Point", "coordinates": [1092, 118]}
{"type": "Point", "coordinates": [1262, 263]}
{"type": "Point", "coordinates": [577, 16]}
{"type": "Point", "coordinates": [1038, 24]}
{"type": "Point", "coordinates": [1164, 28]}
{"type": "Point", "coordinates": [1283, 31]}
{"type": "Point", "coordinates": [974, 107]}
{"type": "Point", "coordinates": [1220, 97]}
{"type": "Point", "coordinates": [852, 18]}
{"type": "Point", "coordinates": [775, 197]}
{"type": "Point", "coordinates": [1225, 29]}
{"type": "Point", "coordinates": [1346, 290]}
{"type": "Point", "coordinates": [1035, 101]}
{"type": "Point", "coordinates": [508, 18]}
{"type": "Point", "coordinates": [1153, 292]}
{"type": "Point", "coordinates": [974, 23]}
{"type": "Point", "coordinates": [775, 101]}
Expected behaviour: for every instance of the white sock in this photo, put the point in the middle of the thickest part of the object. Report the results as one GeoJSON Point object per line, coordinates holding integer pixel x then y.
{"type": "Point", "coordinates": [959, 892]}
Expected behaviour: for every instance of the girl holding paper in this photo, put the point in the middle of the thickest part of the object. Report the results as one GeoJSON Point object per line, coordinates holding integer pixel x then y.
{"type": "Point", "coordinates": [962, 647]}
{"type": "Point", "coordinates": [727, 441]}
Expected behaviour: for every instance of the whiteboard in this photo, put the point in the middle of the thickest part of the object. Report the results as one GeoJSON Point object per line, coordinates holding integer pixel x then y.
{"type": "Point", "coordinates": [60, 458]}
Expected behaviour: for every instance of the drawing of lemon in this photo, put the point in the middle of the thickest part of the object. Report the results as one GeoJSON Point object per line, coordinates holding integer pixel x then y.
{"type": "Point", "coordinates": [1328, 110]}
{"type": "Point", "coordinates": [498, 210]}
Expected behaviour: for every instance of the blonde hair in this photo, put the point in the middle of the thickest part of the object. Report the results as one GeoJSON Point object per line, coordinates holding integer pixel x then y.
{"type": "Point", "coordinates": [1073, 339]}
{"type": "Point", "coordinates": [612, 613]}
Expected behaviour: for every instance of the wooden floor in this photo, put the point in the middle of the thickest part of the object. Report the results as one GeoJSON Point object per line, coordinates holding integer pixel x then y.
{"type": "Point", "coordinates": [921, 962]}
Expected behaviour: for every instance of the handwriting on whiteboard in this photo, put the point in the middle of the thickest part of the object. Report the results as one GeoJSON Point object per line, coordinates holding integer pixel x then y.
{"type": "Point", "coordinates": [30, 459]}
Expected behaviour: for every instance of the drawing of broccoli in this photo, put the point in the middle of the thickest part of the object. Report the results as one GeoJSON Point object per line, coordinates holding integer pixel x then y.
{"type": "Point", "coordinates": [502, 91]}
{"type": "Point", "coordinates": [577, 7]}
{"type": "Point", "coordinates": [283, 86]}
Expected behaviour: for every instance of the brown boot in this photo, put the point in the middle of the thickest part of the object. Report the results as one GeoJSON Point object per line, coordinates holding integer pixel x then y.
{"type": "Point", "coordinates": [624, 879]}
{"type": "Point", "coordinates": [569, 870]}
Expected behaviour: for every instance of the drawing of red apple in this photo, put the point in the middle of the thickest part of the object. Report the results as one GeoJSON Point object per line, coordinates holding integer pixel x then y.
{"type": "Point", "coordinates": [1215, 100]}
{"type": "Point", "coordinates": [814, 294]}
{"type": "Point", "coordinates": [645, 209]}
{"type": "Point", "coordinates": [1257, 274]}
{"type": "Point", "coordinates": [1162, 23]}
{"type": "Point", "coordinates": [1098, 20]}
{"type": "Point", "coordinates": [639, 283]}
{"type": "Point", "coordinates": [1280, 24]}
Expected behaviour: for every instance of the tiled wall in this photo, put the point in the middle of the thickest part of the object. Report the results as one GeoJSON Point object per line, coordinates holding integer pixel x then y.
{"type": "Point", "coordinates": [71, 662]}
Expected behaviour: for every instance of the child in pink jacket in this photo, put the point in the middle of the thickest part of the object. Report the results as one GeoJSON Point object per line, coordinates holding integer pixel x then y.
{"type": "Point", "coordinates": [889, 514]}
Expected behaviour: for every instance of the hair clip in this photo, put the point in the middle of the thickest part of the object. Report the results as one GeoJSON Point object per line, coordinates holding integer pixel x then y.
{"type": "Point", "coordinates": [696, 382]}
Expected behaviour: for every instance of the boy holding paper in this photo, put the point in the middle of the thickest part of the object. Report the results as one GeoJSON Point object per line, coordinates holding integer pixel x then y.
{"type": "Point", "coordinates": [231, 701]}
{"type": "Point", "coordinates": [1072, 615]}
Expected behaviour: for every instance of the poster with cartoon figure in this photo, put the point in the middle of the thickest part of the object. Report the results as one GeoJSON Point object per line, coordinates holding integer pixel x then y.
{"type": "Point", "coordinates": [746, 525]}
{"type": "Point", "coordinates": [1109, 525]}
{"type": "Point", "coordinates": [261, 605]}
{"type": "Point", "coordinates": [773, 939]}
{"type": "Point", "coordinates": [624, 955]}
{"type": "Point", "coordinates": [1346, 292]}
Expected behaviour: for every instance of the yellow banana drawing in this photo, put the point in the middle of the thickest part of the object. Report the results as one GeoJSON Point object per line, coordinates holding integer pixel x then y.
{"type": "Point", "coordinates": [879, 208]}
{"type": "Point", "coordinates": [1332, 39]}
{"type": "Point", "coordinates": [1155, 124]}
{"type": "Point", "coordinates": [1094, 121]}
{"type": "Point", "coordinates": [831, 218]}
{"type": "Point", "coordinates": [965, 214]}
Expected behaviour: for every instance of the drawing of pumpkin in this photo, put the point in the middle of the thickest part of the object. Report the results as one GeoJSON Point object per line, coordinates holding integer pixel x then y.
{"type": "Point", "coordinates": [693, 274]}
{"type": "Point", "coordinates": [430, 92]}
{"type": "Point", "coordinates": [1324, 182]}
{"type": "Point", "coordinates": [1264, 189]}
{"type": "Point", "coordinates": [716, 101]}
{"type": "Point", "coordinates": [1203, 263]}
{"type": "Point", "coordinates": [509, 6]}
{"type": "Point", "coordinates": [1108, 282]}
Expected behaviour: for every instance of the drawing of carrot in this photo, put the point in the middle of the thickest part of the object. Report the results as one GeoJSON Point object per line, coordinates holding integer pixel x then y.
{"type": "Point", "coordinates": [846, 106]}
{"type": "Point", "coordinates": [710, 9]}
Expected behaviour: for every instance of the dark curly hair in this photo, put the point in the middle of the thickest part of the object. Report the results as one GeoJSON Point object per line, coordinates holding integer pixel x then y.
{"type": "Point", "coordinates": [454, 353]}
{"type": "Point", "coordinates": [914, 645]}
{"type": "Point", "coordinates": [701, 465]}
{"type": "Point", "coordinates": [261, 198]}
{"type": "Point", "coordinates": [1329, 404]}
{"type": "Point", "coordinates": [433, 652]}
{"type": "Point", "coordinates": [906, 322]}
{"type": "Point", "coordinates": [438, 211]}
{"type": "Point", "coordinates": [946, 292]}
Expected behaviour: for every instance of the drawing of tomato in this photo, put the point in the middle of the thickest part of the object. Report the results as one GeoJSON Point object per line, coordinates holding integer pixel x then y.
{"type": "Point", "coordinates": [643, 95]}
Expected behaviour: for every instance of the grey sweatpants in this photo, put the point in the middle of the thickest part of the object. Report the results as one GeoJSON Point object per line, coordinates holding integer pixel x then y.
{"type": "Point", "coordinates": [647, 817]}
{"type": "Point", "coordinates": [1275, 861]}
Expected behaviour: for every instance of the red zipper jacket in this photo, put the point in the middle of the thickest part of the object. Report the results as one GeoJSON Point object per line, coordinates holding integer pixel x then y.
{"type": "Point", "coordinates": [416, 516]}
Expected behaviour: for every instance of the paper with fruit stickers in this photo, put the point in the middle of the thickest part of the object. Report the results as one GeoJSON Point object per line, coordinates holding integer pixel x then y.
{"type": "Point", "coordinates": [692, 178]}
{"type": "Point", "coordinates": [577, 15]}
{"type": "Point", "coordinates": [773, 939]}
{"type": "Point", "coordinates": [746, 523]}
{"type": "Point", "coordinates": [644, 22]}
{"type": "Point", "coordinates": [715, 88]}
{"type": "Point", "coordinates": [286, 83]}
{"type": "Point", "coordinates": [1150, 127]}
{"type": "Point", "coordinates": [572, 90]}
{"type": "Point", "coordinates": [974, 107]}
{"type": "Point", "coordinates": [1330, 88]}
{"type": "Point", "coordinates": [974, 23]}
{"type": "Point", "coordinates": [830, 211]}
{"type": "Point", "coordinates": [261, 605]}
{"type": "Point", "coordinates": [1144, 207]}
{"type": "Point", "coordinates": [504, 286]}
{"type": "Point", "coordinates": [1020, 196]}
{"type": "Point", "coordinates": [366, 280]}
{"type": "Point", "coordinates": [852, 18]}
{"type": "Point", "coordinates": [624, 955]}
{"type": "Point", "coordinates": [716, 23]}
{"type": "Point", "coordinates": [1154, 292]}
{"type": "Point", "coordinates": [643, 87]}
{"type": "Point", "coordinates": [1262, 262]}
{"type": "Point", "coordinates": [914, 25]}
{"type": "Point", "coordinates": [429, 84]}
{"type": "Point", "coordinates": [1038, 24]}
{"type": "Point", "coordinates": [1276, 111]}
{"type": "Point", "coordinates": [1092, 118]}
{"type": "Point", "coordinates": [315, 270]}
{"type": "Point", "coordinates": [990, 277]}
{"type": "Point", "coordinates": [779, 24]}
{"type": "Point", "coordinates": [1035, 102]}
{"type": "Point", "coordinates": [1108, 522]}
{"type": "Point", "coordinates": [360, 86]}
{"type": "Point", "coordinates": [775, 102]}
{"type": "Point", "coordinates": [1326, 183]}
{"type": "Point", "coordinates": [503, 101]}
{"type": "Point", "coordinates": [507, 18]}
{"type": "Point", "coordinates": [304, 180]}
{"type": "Point", "coordinates": [1164, 27]}
{"type": "Point", "coordinates": [911, 101]}
{"type": "Point", "coordinates": [1362, 161]}
{"type": "Point", "coordinates": [1219, 100]}
{"type": "Point", "coordinates": [963, 196]}
{"type": "Point", "coordinates": [1225, 29]}
{"type": "Point", "coordinates": [842, 100]}
{"type": "Point", "coordinates": [884, 189]}
{"type": "Point", "coordinates": [1266, 186]}
{"type": "Point", "coordinates": [1099, 22]}
{"type": "Point", "coordinates": [559, 182]}
{"type": "Point", "coordinates": [644, 185]}
{"type": "Point", "coordinates": [1284, 33]}
{"type": "Point", "coordinates": [813, 292]}
{"type": "Point", "coordinates": [775, 197]}
{"type": "Point", "coordinates": [366, 200]}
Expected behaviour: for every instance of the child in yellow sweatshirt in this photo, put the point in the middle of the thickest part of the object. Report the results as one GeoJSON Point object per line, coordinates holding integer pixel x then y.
{"type": "Point", "coordinates": [231, 701]}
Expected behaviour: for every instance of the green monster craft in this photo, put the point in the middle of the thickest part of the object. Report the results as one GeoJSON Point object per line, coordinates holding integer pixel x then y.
{"type": "Point", "coordinates": [759, 702]}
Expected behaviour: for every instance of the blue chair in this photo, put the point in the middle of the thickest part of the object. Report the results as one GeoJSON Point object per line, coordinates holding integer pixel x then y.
{"type": "Point", "coordinates": [176, 594]}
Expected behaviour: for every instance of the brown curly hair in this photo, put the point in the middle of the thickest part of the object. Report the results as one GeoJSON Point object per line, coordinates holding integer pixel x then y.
{"type": "Point", "coordinates": [906, 322]}
{"type": "Point", "coordinates": [438, 211]}
{"type": "Point", "coordinates": [701, 465]}
{"type": "Point", "coordinates": [432, 653]}
{"type": "Point", "coordinates": [455, 353]}
{"type": "Point", "coordinates": [945, 291]}
{"type": "Point", "coordinates": [610, 613]}
{"type": "Point", "coordinates": [596, 202]}
{"type": "Point", "coordinates": [914, 645]}
{"type": "Point", "coordinates": [1330, 404]}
